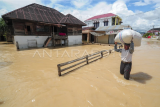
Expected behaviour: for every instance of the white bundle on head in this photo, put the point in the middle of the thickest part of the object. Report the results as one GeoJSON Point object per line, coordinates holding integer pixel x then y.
{"type": "Point", "coordinates": [125, 36]}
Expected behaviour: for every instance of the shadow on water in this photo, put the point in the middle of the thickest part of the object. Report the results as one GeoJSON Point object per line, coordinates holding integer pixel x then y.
{"type": "Point", "coordinates": [141, 77]}
{"type": "Point", "coordinates": [5, 64]}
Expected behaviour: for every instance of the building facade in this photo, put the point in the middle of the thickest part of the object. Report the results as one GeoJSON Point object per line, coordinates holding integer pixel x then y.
{"type": "Point", "coordinates": [109, 19]}
{"type": "Point", "coordinates": [39, 26]}
{"type": "Point", "coordinates": [106, 27]}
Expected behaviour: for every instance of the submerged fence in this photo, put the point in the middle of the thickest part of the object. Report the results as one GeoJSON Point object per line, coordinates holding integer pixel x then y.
{"type": "Point", "coordinates": [87, 57]}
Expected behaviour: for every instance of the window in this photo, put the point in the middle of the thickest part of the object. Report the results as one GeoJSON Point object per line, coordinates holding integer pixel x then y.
{"type": "Point", "coordinates": [96, 24]}
{"type": "Point", "coordinates": [113, 21]}
{"type": "Point", "coordinates": [42, 28]}
{"type": "Point", "coordinates": [75, 31]}
{"type": "Point", "coordinates": [79, 30]}
{"type": "Point", "coordinates": [70, 30]}
{"type": "Point", "coordinates": [105, 23]}
{"type": "Point", "coordinates": [28, 28]}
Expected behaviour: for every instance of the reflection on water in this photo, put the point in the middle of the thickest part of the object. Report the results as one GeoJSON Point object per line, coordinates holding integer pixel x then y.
{"type": "Point", "coordinates": [33, 81]}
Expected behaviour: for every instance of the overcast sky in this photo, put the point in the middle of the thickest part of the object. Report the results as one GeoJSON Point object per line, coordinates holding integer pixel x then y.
{"type": "Point", "coordinates": [132, 12]}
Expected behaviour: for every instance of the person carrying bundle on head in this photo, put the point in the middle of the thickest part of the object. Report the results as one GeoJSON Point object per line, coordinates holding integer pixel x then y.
{"type": "Point", "coordinates": [126, 58]}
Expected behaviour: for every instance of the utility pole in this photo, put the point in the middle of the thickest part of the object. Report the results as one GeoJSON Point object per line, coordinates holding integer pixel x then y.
{"type": "Point", "coordinates": [153, 29]}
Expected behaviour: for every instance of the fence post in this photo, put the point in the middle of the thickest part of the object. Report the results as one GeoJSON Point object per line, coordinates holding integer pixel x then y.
{"type": "Point", "coordinates": [59, 70]}
{"type": "Point", "coordinates": [110, 51]}
{"type": "Point", "coordinates": [17, 45]}
{"type": "Point", "coordinates": [101, 54]}
{"type": "Point", "coordinates": [87, 59]}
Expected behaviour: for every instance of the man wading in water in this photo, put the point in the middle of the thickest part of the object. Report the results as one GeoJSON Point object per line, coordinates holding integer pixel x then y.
{"type": "Point", "coordinates": [126, 58]}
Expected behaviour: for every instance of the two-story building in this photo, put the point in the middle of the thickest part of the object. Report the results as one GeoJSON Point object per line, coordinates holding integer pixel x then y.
{"type": "Point", "coordinates": [107, 26]}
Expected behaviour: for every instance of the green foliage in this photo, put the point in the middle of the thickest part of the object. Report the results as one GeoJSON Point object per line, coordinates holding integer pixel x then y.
{"type": "Point", "coordinates": [147, 34]}
{"type": "Point", "coordinates": [3, 27]}
{"type": "Point", "coordinates": [2, 23]}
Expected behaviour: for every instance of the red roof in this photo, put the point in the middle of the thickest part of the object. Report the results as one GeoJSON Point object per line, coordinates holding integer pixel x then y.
{"type": "Point", "coordinates": [150, 31]}
{"type": "Point", "coordinates": [101, 16]}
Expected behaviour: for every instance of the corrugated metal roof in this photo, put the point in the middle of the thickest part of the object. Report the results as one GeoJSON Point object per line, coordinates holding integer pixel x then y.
{"type": "Point", "coordinates": [97, 34]}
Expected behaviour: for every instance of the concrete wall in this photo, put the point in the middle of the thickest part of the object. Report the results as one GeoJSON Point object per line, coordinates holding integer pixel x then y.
{"type": "Point", "coordinates": [103, 39]}
{"type": "Point", "coordinates": [29, 41]}
{"type": "Point", "coordinates": [75, 40]}
{"type": "Point", "coordinates": [26, 41]}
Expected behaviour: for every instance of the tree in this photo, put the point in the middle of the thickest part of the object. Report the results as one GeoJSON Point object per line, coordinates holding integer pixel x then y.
{"type": "Point", "coordinates": [3, 27]}
{"type": "Point", "coordinates": [147, 34]}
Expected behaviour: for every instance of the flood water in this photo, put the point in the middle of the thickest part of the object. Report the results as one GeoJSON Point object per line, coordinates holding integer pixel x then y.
{"type": "Point", "coordinates": [29, 78]}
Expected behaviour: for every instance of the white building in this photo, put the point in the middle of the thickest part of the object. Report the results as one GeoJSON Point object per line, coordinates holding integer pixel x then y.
{"type": "Point", "coordinates": [103, 20]}
{"type": "Point", "coordinates": [107, 26]}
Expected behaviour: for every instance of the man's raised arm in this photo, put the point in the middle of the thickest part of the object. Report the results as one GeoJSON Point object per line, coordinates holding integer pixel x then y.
{"type": "Point", "coordinates": [115, 48]}
{"type": "Point", "coordinates": [131, 49]}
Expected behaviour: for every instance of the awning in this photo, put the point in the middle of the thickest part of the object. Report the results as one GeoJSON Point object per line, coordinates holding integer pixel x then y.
{"type": "Point", "coordinates": [109, 30]}
{"type": "Point", "coordinates": [97, 34]}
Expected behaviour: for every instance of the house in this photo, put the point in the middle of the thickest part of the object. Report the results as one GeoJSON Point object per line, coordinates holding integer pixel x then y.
{"type": "Point", "coordinates": [39, 26]}
{"type": "Point", "coordinates": [108, 19]}
{"type": "Point", "coordinates": [107, 26]}
{"type": "Point", "coordinates": [156, 31]}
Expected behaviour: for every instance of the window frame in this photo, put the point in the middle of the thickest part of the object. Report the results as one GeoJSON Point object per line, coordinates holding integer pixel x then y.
{"type": "Point", "coordinates": [43, 27]}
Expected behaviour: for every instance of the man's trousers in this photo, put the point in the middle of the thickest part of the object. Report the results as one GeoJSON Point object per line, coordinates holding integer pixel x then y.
{"type": "Point", "coordinates": [125, 68]}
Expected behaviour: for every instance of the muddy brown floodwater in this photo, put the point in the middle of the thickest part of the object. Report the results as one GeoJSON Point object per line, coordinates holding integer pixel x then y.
{"type": "Point", "coordinates": [29, 79]}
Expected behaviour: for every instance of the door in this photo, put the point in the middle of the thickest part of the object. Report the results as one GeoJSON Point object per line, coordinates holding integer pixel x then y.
{"type": "Point", "coordinates": [111, 39]}
{"type": "Point", "coordinates": [29, 28]}
{"type": "Point", "coordinates": [92, 38]}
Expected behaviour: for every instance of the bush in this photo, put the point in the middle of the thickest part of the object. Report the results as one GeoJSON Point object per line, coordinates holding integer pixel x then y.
{"type": "Point", "coordinates": [147, 34]}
